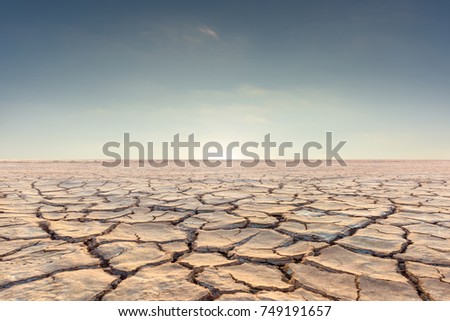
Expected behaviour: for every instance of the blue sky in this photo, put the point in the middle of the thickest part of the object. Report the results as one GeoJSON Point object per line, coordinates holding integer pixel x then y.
{"type": "Point", "coordinates": [76, 74]}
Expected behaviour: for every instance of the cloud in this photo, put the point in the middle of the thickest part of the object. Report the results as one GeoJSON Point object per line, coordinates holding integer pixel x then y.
{"type": "Point", "coordinates": [209, 32]}
{"type": "Point", "coordinates": [249, 90]}
{"type": "Point", "coordinates": [254, 95]}
{"type": "Point", "coordinates": [192, 39]}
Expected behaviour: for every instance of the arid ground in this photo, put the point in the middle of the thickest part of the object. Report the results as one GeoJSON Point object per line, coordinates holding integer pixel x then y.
{"type": "Point", "coordinates": [369, 231]}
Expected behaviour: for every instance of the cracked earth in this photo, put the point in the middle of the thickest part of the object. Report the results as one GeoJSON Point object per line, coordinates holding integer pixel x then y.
{"type": "Point", "coordinates": [369, 231]}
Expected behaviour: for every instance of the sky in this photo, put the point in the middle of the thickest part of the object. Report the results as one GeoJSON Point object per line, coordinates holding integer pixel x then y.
{"type": "Point", "coordinates": [77, 74]}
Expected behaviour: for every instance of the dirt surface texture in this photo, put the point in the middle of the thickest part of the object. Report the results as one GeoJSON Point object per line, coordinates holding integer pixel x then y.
{"type": "Point", "coordinates": [374, 230]}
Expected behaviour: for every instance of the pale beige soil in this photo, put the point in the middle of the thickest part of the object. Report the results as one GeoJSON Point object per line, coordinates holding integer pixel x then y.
{"type": "Point", "coordinates": [369, 231]}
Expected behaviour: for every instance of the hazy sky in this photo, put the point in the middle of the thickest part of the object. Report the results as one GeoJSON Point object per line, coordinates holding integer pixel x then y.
{"type": "Point", "coordinates": [76, 74]}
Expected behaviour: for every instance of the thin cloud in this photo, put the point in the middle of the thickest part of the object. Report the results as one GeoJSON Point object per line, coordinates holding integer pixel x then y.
{"type": "Point", "coordinates": [209, 32]}
{"type": "Point", "coordinates": [192, 39]}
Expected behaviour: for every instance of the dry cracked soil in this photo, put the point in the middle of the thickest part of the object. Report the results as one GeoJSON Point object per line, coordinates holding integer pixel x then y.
{"type": "Point", "coordinates": [368, 231]}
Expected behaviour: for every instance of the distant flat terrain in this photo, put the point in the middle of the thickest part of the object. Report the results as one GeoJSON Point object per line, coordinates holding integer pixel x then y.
{"type": "Point", "coordinates": [374, 230]}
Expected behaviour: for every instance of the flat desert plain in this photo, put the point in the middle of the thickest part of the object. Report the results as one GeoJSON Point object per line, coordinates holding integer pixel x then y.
{"type": "Point", "coordinates": [374, 230]}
